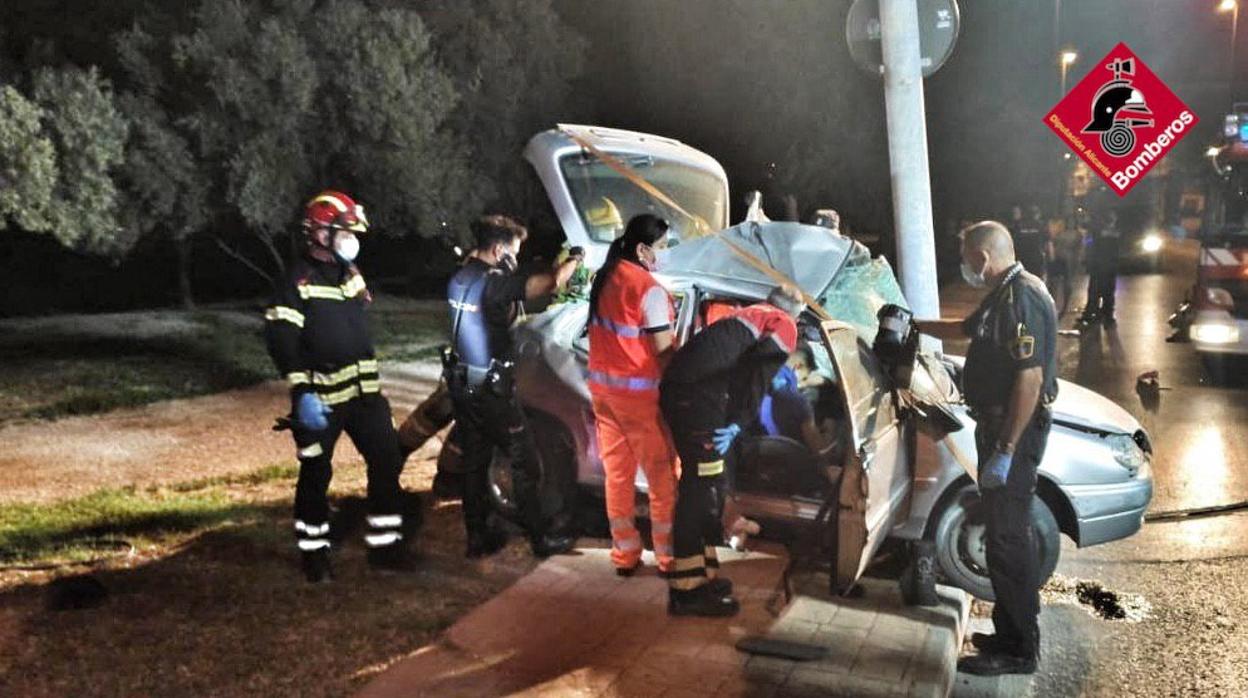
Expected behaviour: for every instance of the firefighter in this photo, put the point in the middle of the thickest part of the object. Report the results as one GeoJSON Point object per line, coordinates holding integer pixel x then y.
{"type": "Point", "coordinates": [711, 390]}
{"type": "Point", "coordinates": [630, 338]}
{"type": "Point", "coordinates": [1011, 381]}
{"type": "Point", "coordinates": [484, 298]}
{"type": "Point", "coordinates": [1103, 271]}
{"type": "Point", "coordinates": [317, 335]}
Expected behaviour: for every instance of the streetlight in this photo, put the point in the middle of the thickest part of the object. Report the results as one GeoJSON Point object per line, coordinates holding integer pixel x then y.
{"type": "Point", "coordinates": [1233, 7]}
{"type": "Point", "coordinates": [1067, 58]}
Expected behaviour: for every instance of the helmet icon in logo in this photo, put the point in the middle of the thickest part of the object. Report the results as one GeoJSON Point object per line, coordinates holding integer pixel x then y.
{"type": "Point", "coordinates": [1117, 110]}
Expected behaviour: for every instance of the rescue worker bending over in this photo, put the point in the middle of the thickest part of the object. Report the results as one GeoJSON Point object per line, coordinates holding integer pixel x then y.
{"type": "Point", "coordinates": [484, 296]}
{"type": "Point", "coordinates": [630, 337]}
{"type": "Point", "coordinates": [711, 389]}
{"type": "Point", "coordinates": [317, 335]}
{"type": "Point", "coordinates": [1010, 381]}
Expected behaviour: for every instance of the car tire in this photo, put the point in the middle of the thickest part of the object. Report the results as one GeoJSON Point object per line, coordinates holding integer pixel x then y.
{"type": "Point", "coordinates": [959, 538]}
{"type": "Point", "coordinates": [1215, 366]}
{"type": "Point", "coordinates": [557, 488]}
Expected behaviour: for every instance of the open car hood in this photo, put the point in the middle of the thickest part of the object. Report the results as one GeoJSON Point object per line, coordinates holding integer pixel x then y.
{"type": "Point", "coordinates": [809, 255]}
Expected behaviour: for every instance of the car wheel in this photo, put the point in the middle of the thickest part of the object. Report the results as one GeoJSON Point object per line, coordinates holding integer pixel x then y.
{"type": "Point", "coordinates": [960, 537]}
{"type": "Point", "coordinates": [557, 463]}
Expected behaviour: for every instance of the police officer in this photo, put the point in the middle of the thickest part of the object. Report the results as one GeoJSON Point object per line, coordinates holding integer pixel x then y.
{"type": "Point", "coordinates": [484, 297]}
{"type": "Point", "coordinates": [1010, 381]}
{"type": "Point", "coordinates": [711, 390]}
{"type": "Point", "coordinates": [1031, 241]}
{"type": "Point", "coordinates": [1103, 271]}
{"type": "Point", "coordinates": [317, 335]}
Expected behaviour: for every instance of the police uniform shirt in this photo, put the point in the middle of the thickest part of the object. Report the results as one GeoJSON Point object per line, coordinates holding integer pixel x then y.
{"type": "Point", "coordinates": [503, 292]}
{"type": "Point", "coordinates": [1014, 328]}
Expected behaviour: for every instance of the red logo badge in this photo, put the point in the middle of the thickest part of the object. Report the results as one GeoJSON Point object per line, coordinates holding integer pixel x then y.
{"type": "Point", "coordinates": [1121, 119]}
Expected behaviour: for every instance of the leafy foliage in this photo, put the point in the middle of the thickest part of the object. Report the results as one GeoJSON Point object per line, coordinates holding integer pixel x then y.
{"type": "Point", "coordinates": [27, 162]}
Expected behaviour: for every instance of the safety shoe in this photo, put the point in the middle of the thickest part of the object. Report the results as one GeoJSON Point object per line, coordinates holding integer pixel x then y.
{"type": "Point", "coordinates": [988, 642]}
{"type": "Point", "coordinates": [628, 571]}
{"type": "Point", "coordinates": [701, 602]}
{"type": "Point", "coordinates": [549, 544]}
{"type": "Point", "coordinates": [316, 566]}
{"type": "Point", "coordinates": [486, 543]}
{"type": "Point", "coordinates": [721, 586]}
{"type": "Point", "coordinates": [393, 558]}
{"type": "Point", "coordinates": [996, 664]}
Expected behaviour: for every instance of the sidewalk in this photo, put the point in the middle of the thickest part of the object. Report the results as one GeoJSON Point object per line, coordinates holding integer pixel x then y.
{"type": "Point", "coordinates": [573, 628]}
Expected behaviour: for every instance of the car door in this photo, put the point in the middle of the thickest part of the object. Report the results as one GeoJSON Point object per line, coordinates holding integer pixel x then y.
{"type": "Point", "coordinates": [877, 479]}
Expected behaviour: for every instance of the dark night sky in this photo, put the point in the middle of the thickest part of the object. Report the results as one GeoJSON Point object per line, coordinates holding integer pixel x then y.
{"type": "Point", "coordinates": [733, 78]}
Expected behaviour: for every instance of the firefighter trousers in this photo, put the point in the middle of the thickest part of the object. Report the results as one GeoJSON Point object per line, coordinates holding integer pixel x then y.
{"type": "Point", "coordinates": [1012, 550]}
{"type": "Point", "coordinates": [697, 527]}
{"type": "Point", "coordinates": [632, 434]}
{"type": "Point", "coordinates": [367, 421]}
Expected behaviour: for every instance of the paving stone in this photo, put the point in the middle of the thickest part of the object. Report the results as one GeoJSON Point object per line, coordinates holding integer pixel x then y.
{"type": "Point", "coordinates": [888, 663]}
{"type": "Point", "coordinates": [768, 669]}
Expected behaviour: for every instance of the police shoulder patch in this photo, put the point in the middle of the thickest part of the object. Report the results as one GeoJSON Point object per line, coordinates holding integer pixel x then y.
{"type": "Point", "coordinates": [1023, 347]}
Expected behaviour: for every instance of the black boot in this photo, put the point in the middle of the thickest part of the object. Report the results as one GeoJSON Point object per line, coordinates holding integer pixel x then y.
{"type": "Point", "coordinates": [316, 566]}
{"type": "Point", "coordinates": [393, 558]}
{"type": "Point", "coordinates": [548, 544]}
{"type": "Point", "coordinates": [992, 644]}
{"type": "Point", "coordinates": [721, 586]}
{"type": "Point", "coordinates": [448, 486]}
{"type": "Point", "coordinates": [701, 602]}
{"type": "Point", "coordinates": [996, 664]}
{"type": "Point", "coordinates": [486, 543]}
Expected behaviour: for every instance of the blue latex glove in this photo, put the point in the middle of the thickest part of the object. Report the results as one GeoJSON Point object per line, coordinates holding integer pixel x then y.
{"type": "Point", "coordinates": [310, 412]}
{"type": "Point", "coordinates": [996, 471]}
{"type": "Point", "coordinates": [724, 437]}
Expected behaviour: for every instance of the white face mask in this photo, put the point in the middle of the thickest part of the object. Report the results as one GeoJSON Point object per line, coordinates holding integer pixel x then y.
{"type": "Point", "coordinates": [347, 248]}
{"type": "Point", "coordinates": [972, 277]}
{"type": "Point", "coordinates": [661, 258]}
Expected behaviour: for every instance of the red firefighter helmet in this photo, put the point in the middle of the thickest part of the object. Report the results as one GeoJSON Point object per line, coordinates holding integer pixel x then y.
{"type": "Point", "coordinates": [335, 210]}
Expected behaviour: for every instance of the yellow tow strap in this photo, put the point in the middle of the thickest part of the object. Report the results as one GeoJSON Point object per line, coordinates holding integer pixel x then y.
{"type": "Point", "coordinates": [700, 226]}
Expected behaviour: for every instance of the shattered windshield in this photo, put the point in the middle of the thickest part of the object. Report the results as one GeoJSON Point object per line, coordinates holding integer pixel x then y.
{"type": "Point", "coordinates": [861, 288]}
{"type": "Point", "coordinates": [606, 199]}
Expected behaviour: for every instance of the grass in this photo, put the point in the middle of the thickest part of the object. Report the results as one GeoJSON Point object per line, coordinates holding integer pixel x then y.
{"type": "Point", "coordinates": [212, 602]}
{"type": "Point", "coordinates": [64, 370]}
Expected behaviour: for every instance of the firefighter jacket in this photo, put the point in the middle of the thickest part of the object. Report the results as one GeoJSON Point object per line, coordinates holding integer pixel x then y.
{"type": "Point", "coordinates": [729, 365]}
{"type": "Point", "coordinates": [317, 334]}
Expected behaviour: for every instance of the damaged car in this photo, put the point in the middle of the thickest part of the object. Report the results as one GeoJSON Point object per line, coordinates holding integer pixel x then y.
{"type": "Point", "coordinates": [901, 457]}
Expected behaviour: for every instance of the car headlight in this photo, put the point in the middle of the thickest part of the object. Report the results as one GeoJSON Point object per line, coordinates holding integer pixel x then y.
{"type": "Point", "coordinates": [1127, 452]}
{"type": "Point", "coordinates": [1215, 334]}
{"type": "Point", "coordinates": [1151, 243]}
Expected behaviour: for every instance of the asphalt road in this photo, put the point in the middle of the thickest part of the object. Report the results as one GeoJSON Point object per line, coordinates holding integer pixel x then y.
{"type": "Point", "coordinates": [1191, 573]}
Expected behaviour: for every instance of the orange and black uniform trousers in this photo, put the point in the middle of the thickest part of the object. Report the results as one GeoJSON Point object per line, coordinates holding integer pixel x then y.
{"type": "Point", "coordinates": [317, 334]}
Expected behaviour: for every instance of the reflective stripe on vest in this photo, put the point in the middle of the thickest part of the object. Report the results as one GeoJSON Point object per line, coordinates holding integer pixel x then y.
{"type": "Point", "coordinates": [621, 356]}
{"type": "Point", "coordinates": [622, 382]}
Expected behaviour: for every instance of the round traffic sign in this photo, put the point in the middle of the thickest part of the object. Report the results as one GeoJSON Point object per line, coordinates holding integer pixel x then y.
{"type": "Point", "coordinates": [939, 22]}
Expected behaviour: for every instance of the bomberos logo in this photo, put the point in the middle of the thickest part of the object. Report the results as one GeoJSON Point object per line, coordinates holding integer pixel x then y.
{"type": "Point", "coordinates": [1130, 119]}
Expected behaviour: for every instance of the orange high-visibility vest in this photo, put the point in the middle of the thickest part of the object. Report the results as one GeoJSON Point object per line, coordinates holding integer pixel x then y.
{"type": "Point", "coordinates": [621, 355]}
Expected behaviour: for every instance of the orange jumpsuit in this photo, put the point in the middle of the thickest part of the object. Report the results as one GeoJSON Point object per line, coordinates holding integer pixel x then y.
{"type": "Point", "coordinates": [624, 375]}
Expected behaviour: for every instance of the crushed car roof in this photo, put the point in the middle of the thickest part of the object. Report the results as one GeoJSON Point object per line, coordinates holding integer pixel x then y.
{"type": "Point", "coordinates": [808, 255]}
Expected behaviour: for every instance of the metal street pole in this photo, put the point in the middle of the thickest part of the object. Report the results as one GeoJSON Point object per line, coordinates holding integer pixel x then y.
{"type": "Point", "coordinates": [907, 156]}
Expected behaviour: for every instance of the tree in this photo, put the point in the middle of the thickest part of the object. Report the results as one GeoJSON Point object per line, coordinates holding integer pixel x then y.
{"type": "Point", "coordinates": [27, 163]}
{"type": "Point", "coordinates": [81, 119]}
{"type": "Point", "coordinates": [58, 153]}
{"type": "Point", "coordinates": [294, 96]}
{"type": "Point", "coordinates": [513, 61]}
